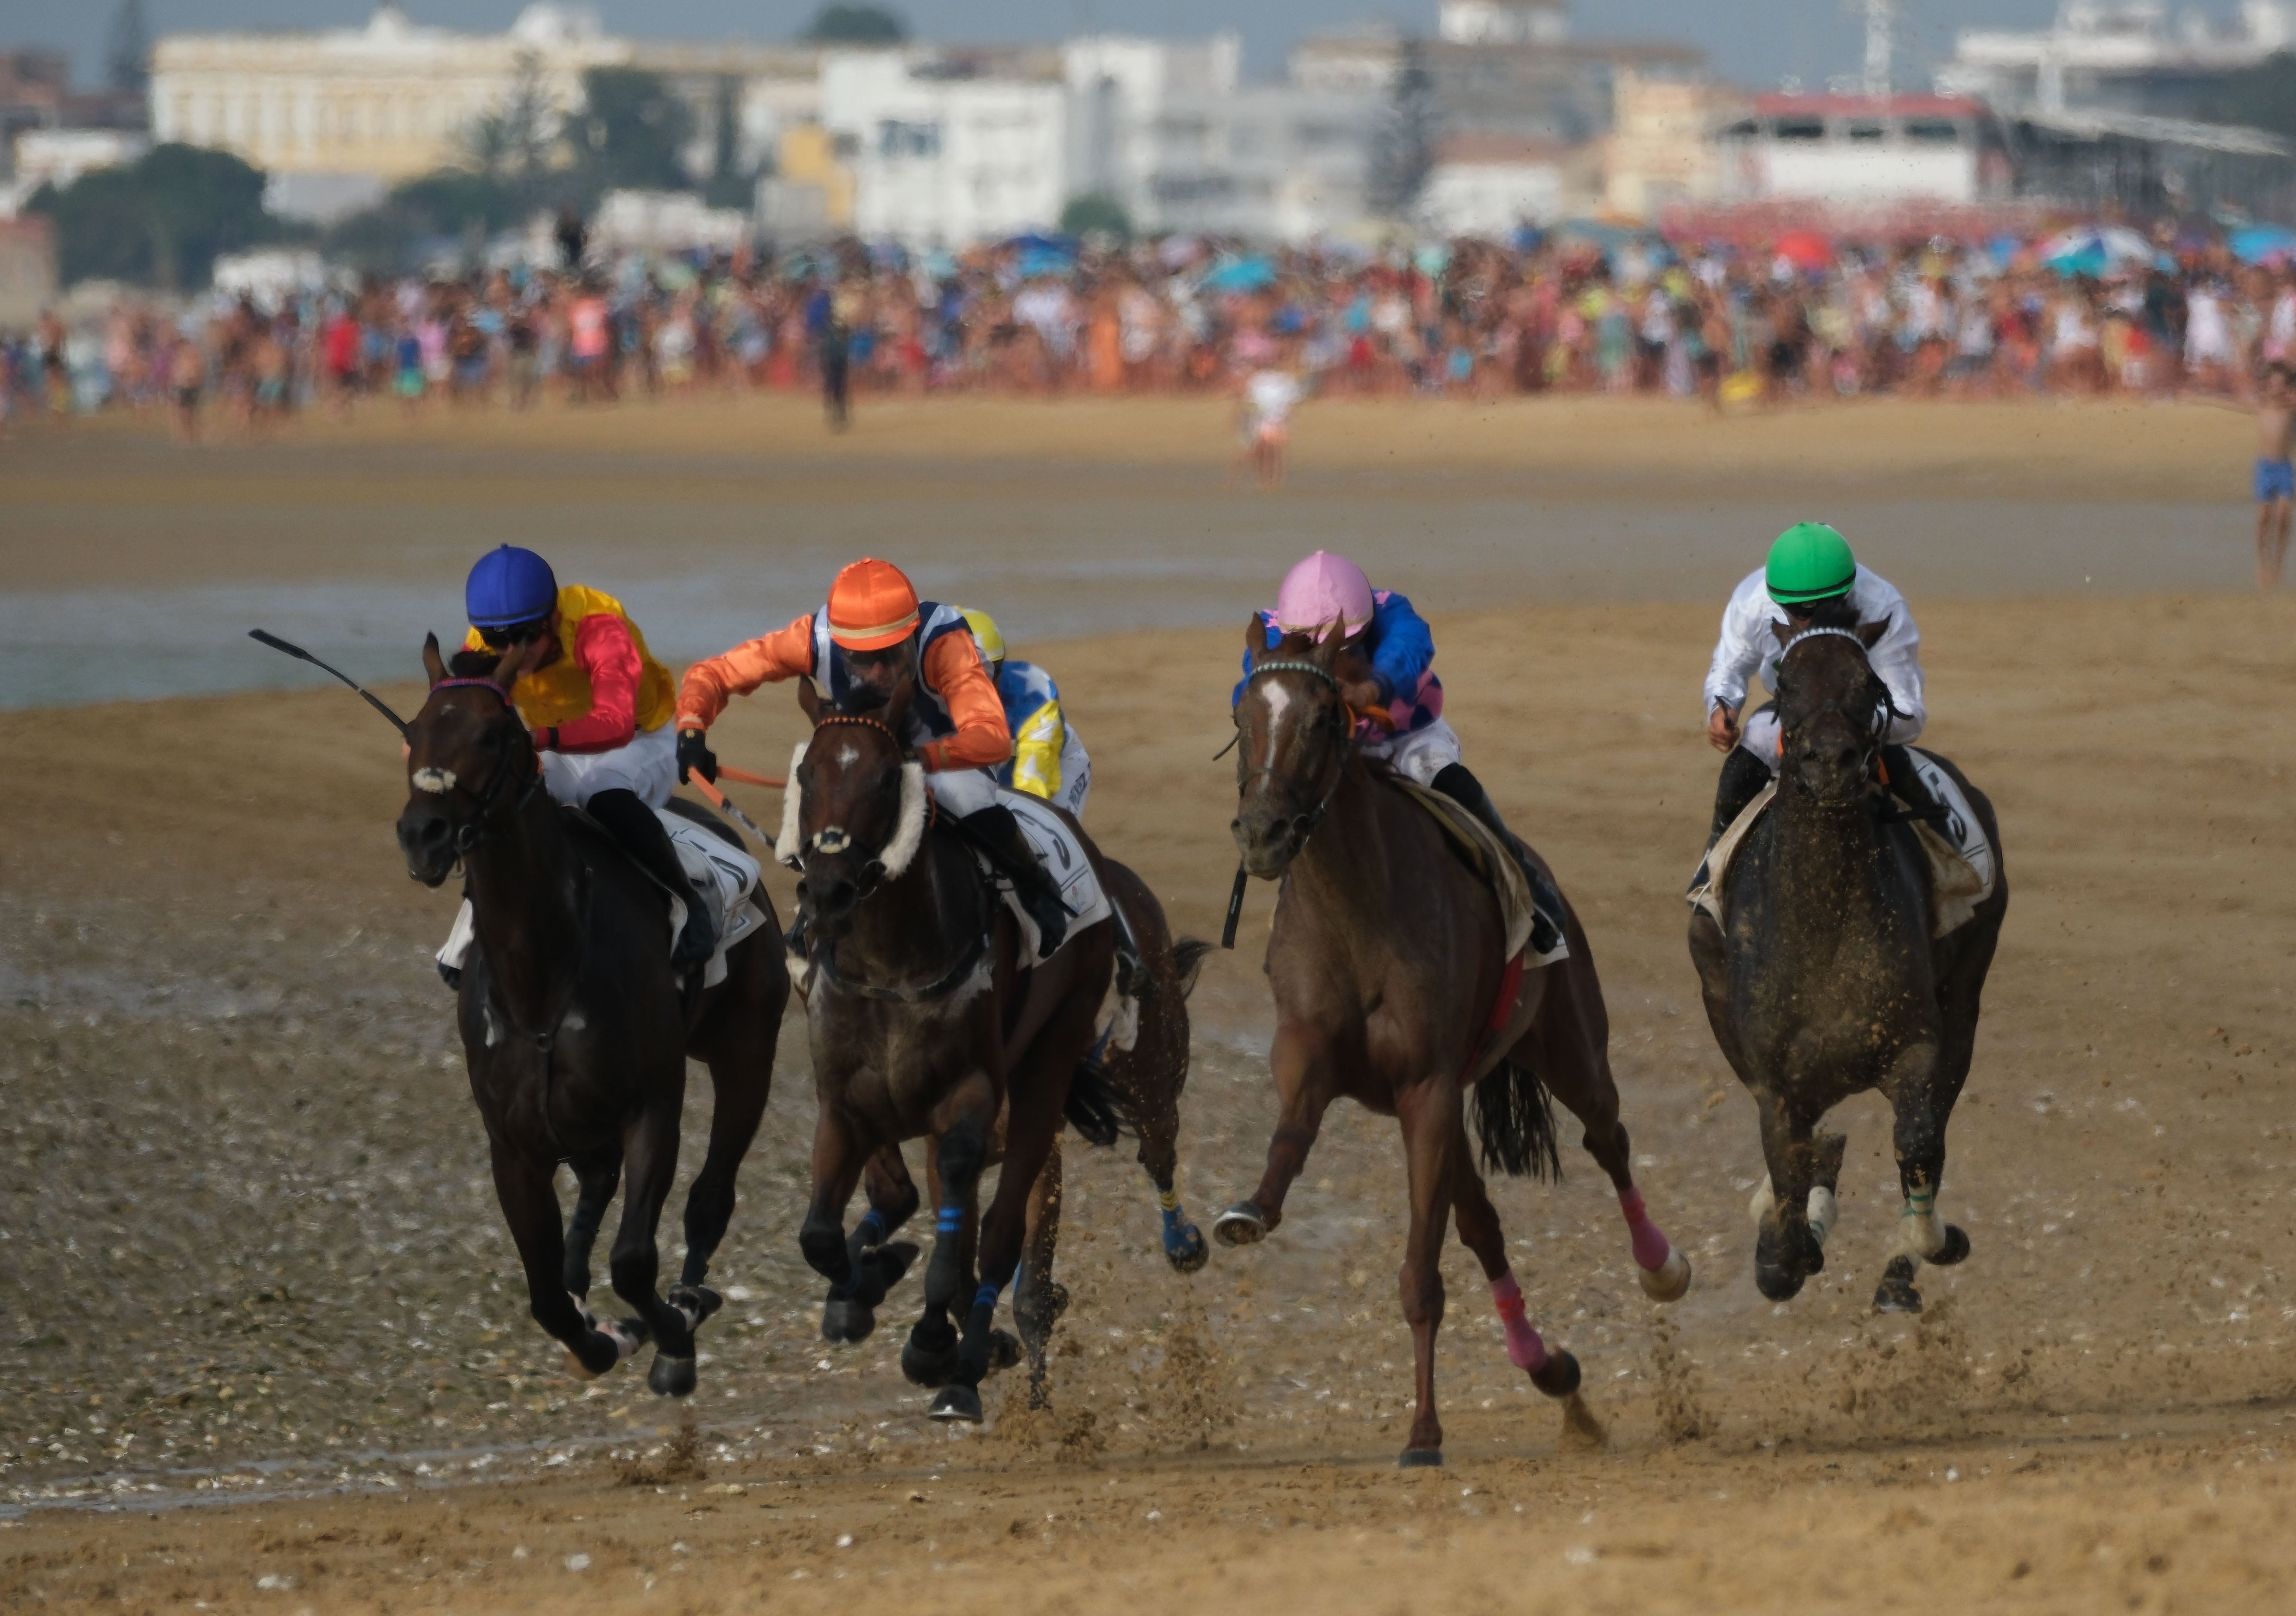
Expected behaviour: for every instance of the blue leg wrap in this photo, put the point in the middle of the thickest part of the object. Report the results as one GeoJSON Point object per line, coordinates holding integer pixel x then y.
{"type": "Point", "coordinates": [871, 1228]}
{"type": "Point", "coordinates": [951, 1219]}
{"type": "Point", "coordinates": [986, 1297]}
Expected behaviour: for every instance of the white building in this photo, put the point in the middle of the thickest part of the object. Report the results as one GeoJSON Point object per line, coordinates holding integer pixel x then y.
{"type": "Point", "coordinates": [1503, 21]}
{"type": "Point", "coordinates": [941, 156]}
{"type": "Point", "coordinates": [1856, 150]}
{"type": "Point", "coordinates": [1487, 186]}
{"type": "Point", "coordinates": [58, 157]}
{"type": "Point", "coordinates": [2122, 55]}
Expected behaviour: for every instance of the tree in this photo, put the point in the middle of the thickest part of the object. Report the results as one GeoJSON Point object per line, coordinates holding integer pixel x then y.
{"type": "Point", "coordinates": [445, 203]}
{"type": "Point", "coordinates": [1096, 212]}
{"type": "Point", "coordinates": [158, 221]}
{"type": "Point", "coordinates": [631, 134]}
{"type": "Point", "coordinates": [127, 56]}
{"type": "Point", "coordinates": [1404, 149]}
{"type": "Point", "coordinates": [837, 24]}
{"type": "Point", "coordinates": [511, 144]}
{"type": "Point", "coordinates": [731, 186]}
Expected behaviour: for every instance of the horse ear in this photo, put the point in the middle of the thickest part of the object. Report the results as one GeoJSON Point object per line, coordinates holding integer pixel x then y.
{"type": "Point", "coordinates": [896, 709]}
{"type": "Point", "coordinates": [809, 701]}
{"type": "Point", "coordinates": [1869, 634]}
{"type": "Point", "coordinates": [1331, 639]}
{"type": "Point", "coordinates": [510, 670]}
{"type": "Point", "coordinates": [1255, 638]}
{"type": "Point", "coordinates": [433, 664]}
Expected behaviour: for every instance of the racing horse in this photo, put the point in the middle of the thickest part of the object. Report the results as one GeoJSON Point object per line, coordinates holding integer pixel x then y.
{"type": "Point", "coordinates": [1827, 980]}
{"type": "Point", "coordinates": [575, 1031]}
{"type": "Point", "coordinates": [926, 1022]}
{"type": "Point", "coordinates": [1390, 989]}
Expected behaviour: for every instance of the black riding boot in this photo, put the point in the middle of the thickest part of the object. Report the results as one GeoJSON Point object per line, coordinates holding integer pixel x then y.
{"type": "Point", "coordinates": [639, 829]}
{"type": "Point", "coordinates": [1906, 784]}
{"type": "Point", "coordinates": [995, 833]}
{"type": "Point", "coordinates": [1454, 781]}
{"type": "Point", "coordinates": [1744, 776]}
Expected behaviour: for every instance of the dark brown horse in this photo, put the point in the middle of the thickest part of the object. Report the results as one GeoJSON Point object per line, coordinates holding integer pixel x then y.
{"type": "Point", "coordinates": [1391, 990]}
{"type": "Point", "coordinates": [575, 1030]}
{"type": "Point", "coordinates": [927, 1022]}
{"type": "Point", "coordinates": [1828, 981]}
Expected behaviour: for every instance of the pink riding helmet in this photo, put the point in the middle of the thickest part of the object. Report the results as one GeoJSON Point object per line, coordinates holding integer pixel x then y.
{"type": "Point", "coordinates": [1321, 589]}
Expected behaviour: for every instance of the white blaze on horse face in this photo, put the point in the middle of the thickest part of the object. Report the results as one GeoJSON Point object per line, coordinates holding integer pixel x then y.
{"type": "Point", "coordinates": [848, 755]}
{"type": "Point", "coordinates": [1278, 699]}
{"type": "Point", "coordinates": [438, 782]}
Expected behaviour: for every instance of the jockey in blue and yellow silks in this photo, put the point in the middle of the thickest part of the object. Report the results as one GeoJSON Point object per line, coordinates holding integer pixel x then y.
{"type": "Point", "coordinates": [1048, 758]}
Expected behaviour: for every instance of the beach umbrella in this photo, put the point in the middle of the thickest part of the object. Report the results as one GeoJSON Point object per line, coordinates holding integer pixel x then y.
{"type": "Point", "coordinates": [2093, 250]}
{"type": "Point", "coordinates": [1806, 250]}
{"type": "Point", "coordinates": [2263, 243]}
{"type": "Point", "coordinates": [1241, 274]}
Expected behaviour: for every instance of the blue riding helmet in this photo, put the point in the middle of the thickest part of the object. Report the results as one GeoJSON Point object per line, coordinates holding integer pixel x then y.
{"type": "Point", "coordinates": [510, 586]}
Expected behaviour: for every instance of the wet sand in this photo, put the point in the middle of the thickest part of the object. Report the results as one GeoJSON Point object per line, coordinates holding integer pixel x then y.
{"type": "Point", "coordinates": [251, 1260]}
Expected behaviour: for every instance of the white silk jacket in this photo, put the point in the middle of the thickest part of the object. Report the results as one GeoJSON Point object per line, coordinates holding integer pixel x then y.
{"type": "Point", "coordinates": [1748, 647]}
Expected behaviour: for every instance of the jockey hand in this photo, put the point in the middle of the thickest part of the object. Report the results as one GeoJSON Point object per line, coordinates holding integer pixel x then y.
{"type": "Point", "coordinates": [1362, 694]}
{"type": "Point", "coordinates": [546, 740]}
{"type": "Point", "coordinates": [1722, 727]}
{"type": "Point", "coordinates": [694, 756]}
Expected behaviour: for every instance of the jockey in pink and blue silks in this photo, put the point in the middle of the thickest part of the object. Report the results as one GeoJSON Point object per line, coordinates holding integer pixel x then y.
{"type": "Point", "coordinates": [1383, 629]}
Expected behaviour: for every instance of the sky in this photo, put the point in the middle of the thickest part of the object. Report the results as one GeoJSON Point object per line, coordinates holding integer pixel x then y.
{"type": "Point", "coordinates": [1754, 42]}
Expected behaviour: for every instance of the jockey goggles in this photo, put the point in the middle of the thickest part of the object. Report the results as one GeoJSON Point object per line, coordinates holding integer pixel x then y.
{"type": "Point", "coordinates": [513, 634]}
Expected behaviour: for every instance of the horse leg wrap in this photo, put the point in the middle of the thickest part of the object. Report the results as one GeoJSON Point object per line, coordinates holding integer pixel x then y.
{"type": "Point", "coordinates": [1920, 1236]}
{"type": "Point", "coordinates": [1525, 1350]}
{"type": "Point", "coordinates": [869, 1231]}
{"type": "Point", "coordinates": [1823, 1212]}
{"type": "Point", "coordinates": [1652, 1247]}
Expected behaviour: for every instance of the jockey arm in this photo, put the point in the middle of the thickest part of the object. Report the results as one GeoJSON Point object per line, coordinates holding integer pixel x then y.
{"type": "Point", "coordinates": [786, 654]}
{"type": "Point", "coordinates": [603, 650]}
{"type": "Point", "coordinates": [1396, 643]}
{"type": "Point", "coordinates": [953, 670]}
{"type": "Point", "coordinates": [1745, 642]}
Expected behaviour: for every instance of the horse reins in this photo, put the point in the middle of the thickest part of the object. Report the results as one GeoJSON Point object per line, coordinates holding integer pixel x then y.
{"type": "Point", "coordinates": [1314, 817]}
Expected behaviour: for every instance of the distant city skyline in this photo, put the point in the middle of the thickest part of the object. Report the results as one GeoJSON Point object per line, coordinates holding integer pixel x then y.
{"type": "Point", "coordinates": [1756, 43]}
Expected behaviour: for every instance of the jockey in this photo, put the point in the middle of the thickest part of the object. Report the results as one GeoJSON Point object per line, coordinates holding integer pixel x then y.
{"type": "Point", "coordinates": [1381, 627]}
{"type": "Point", "coordinates": [1810, 565]}
{"type": "Point", "coordinates": [871, 637]}
{"type": "Point", "coordinates": [599, 706]}
{"type": "Point", "coordinates": [1048, 760]}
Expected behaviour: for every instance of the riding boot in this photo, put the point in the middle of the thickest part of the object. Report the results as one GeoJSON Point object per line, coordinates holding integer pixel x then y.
{"type": "Point", "coordinates": [639, 831]}
{"type": "Point", "coordinates": [1744, 776]}
{"type": "Point", "coordinates": [997, 833]}
{"type": "Point", "coordinates": [1455, 782]}
{"type": "Point", "coordinates": [1905, 783]}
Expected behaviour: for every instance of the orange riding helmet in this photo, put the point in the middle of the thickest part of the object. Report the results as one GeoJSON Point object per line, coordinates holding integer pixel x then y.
{"type": "Point", "coordinates": [871, 605]}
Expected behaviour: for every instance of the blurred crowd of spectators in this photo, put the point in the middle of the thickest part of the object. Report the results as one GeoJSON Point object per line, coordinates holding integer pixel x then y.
{"type": "Point", "coordinates": [1618, 312]}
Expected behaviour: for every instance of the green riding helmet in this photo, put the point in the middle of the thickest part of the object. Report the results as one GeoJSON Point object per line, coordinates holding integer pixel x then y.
{"type": "Point", "coordinates": [1810, 561]}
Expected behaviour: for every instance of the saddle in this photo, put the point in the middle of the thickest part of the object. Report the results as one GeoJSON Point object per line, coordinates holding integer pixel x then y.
{"type": "Point", "coordinates": [1062, 857]}
{"type": "Point", "coordinates": [1530, 909]}
{"type": "Point", "coordinates": [1961, 858]}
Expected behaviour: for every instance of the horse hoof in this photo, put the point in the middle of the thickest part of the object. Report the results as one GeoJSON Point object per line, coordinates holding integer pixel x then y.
{"type": "Point", "coordinates": [929, 1365]}
{"type": "Point", "coordinates": [1187, 1251]}
{"type": "Point", "coordinates": [1421, 1458]}
{"type": "Point", "coordinates": [887, 1263]}
{"type": "Point", "coordinates": [1670, 1281]}
{"type": "Point", "coordinates": [581, 1370]}
{"type": "Point", "coordinates": [957, 1403]}
{"type": "Point", "coordinates": [845, 1320]}
{"type": "Point", "coordinates": [1242, 1225]}
{"type": "Point", "coordinates": [671, 1376]}
{"type": "Point", "coordinates": [697, 1302]}
{"type": "Point", "coordinates": [1003, 1350]}
{"type": "Point", "coordinates": [1896, 1292]}
{"type": "Point", "coordinates": [1775, 1283]}
{"type": "Point", "coordinates": [1558, 1376]}
{"type": "Point", "coordinates": [1955, 1250]}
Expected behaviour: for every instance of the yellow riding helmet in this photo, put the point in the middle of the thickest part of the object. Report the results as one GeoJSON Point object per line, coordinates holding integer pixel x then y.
{"type": "Point", "coordinates": [987, 635]}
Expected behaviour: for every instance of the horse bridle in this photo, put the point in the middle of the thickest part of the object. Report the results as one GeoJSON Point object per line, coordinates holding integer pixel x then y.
{"type": "Point", "coordinates": [1883, 710]}
{"type": "Point", "coordinates": [1346, 728]}
{"type": "Point", "coordinates": [873, 875]}
{"type": "Point", "coordinates": [474, 831]}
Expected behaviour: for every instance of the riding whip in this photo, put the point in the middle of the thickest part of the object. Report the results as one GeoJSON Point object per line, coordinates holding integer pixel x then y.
{"type": "Point", "coordinates": [276, 644]}
{"type": "Point", "coordinates": [741, 777]}
{"type": "Point", "coordinates": [725, 805]}
{"type": "Point", "coordinates": [1235, 907]}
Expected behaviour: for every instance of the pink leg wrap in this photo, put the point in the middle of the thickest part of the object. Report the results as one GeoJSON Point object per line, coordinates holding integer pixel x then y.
{"type": "Point", "coordinates": [1525, 1350]}
{"type": "Point", "coordinates": [1651, 1248]}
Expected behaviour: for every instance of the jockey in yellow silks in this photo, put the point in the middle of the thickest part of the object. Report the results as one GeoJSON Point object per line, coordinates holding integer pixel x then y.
{"type": "Point", "coordinates": [1048, 758]}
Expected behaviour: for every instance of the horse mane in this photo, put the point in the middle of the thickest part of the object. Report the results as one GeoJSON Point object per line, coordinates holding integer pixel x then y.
{"type": "Point", "coordinates": [467, 664]}
{"type": "Point", "coordinates": [1836, 614]}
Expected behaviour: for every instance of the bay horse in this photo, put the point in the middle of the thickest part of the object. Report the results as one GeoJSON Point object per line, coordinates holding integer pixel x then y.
{"type": "Point", "coordinates": [1827, 981]}
{"type": "Point", "coordinates": [926, 1022]}
{"type": "Point", "coordinates": [1390, 989]}
{"type": "Point", "coordinates": [574, 1029]}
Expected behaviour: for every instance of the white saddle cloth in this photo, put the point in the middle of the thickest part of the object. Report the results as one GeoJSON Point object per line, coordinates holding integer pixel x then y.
{"type": "Point", "coordinates": [1962, 863]}
{"type": "Point", "coordinates": [1062, 858]}
{"type": "Point", "coordinates": [722, 876]}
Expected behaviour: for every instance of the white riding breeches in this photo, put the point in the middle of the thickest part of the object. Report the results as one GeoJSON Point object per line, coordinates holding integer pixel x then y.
{"type": "Point", "coordinates": [647, 764]}
{"type": "Point", "coordinates": [1419, 755]}
{"type": "Point", "coordinates": [962, 791]}
{"type": "Point", "coordinates": [1760, 737]}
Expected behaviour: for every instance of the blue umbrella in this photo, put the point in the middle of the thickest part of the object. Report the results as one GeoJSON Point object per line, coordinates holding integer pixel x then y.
{"type": "Point", "coordinates": [1241, 274]}
{"type": "Point", "coordinates": [2262, 243]}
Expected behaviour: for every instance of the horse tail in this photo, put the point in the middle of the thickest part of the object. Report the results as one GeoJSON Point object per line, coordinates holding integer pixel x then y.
{"type": "Point", "coordinates": [1097, 1109]}
{"type": "Point", "coordinates": [1188, 956]}
{"type": "Point", "coordinates": [1514, 1123]}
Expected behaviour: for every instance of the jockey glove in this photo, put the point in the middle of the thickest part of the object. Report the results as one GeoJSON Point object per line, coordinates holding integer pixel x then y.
{"type": "Point", "coordinates": [694, 756]}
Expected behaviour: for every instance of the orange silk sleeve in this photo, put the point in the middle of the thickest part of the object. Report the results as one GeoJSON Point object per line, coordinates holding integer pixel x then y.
{"type": "Point", "coordinates": [983, 739]}
{"type": "Point", "coordinates": [783, 654]}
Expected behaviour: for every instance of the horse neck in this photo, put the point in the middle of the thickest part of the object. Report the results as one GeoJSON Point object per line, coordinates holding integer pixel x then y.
{"type": "Point", "coordinates": [902, 927]}
{"type": "Point", "coordinates": [525, 902]}
{"type": "Point", "coordinates": [1823, 860]}
{"type": "Point", "coordinates": [1342, 870]}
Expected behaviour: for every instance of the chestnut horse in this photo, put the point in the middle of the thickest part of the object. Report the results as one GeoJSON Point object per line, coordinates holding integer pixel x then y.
{"type": "Point", "coordinates": [574, 1029]}
{"type": "Point", "coordinates": [1828, 981]}
{"type": "Point", "coordinates": [927, 1022]}
{"type": "Point", "coordinates": [1386, 964]}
